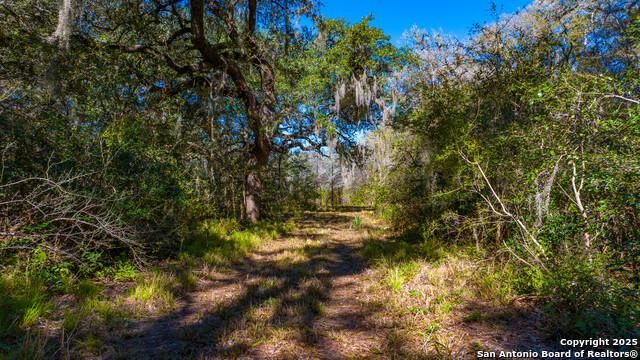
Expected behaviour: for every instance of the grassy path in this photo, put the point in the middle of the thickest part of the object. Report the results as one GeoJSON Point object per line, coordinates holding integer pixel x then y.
{"type": "Point", "coordinates": [332, 288]}
{"type": "Point", "coordinates": [295, 297]}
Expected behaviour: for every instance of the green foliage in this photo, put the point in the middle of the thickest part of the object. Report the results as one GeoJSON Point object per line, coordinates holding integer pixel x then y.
{"type": "Point", "coordinates": [495, 284]}
{"type": "Point", "coordinates": [122, 270]}
{"type": "Point", "coordinates": [24, 301]}
{"type": "Point", "coordinates": [356, 222]}
{"type": "Point", "coordinates": [219, 242]}
{"type": "Point", "coordinates": [340, 53]}
{"type": "Point", "coordinates": [530, 280]}
{"type": "Point", "coordinates": [87, 289]}
{"type": "Point", "coordinates": [523, 140]}
{"type": "Point", "coordinates": [125, 271]}
{"type": "Point", "coordinates": [154, 291]}
{"type": "Point", "coordinates": [586, 302]}
{"type": "Point", "coordinates": [475, 316]}
{"type": "Point", "coordinates": [32, 347]}
{"type": "Point", "coordinates": [398, 273]}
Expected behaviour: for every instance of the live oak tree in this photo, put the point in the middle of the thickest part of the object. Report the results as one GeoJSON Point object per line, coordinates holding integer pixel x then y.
{"type": "Point", "coordinates": [159, 113]}
{"type": "Point", "coordinates": [172, 57]}
{"type": "Point", "coordinates": [227, 46]}
{"type": "Point", "coordinates": [245, 54]}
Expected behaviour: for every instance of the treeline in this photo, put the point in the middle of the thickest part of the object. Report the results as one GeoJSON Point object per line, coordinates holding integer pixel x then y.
{"type": "Point", "coordinates": [123, 125]}
{"type": "Point", "coordinates": [523, 141]}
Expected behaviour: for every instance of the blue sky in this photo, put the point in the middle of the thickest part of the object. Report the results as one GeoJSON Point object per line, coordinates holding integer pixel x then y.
{"type": "Point", "coordinates": [395, 16]}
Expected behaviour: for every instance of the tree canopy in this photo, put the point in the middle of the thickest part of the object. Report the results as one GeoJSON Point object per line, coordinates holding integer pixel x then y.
{"type": "Point", "coordinates": [127, 127]}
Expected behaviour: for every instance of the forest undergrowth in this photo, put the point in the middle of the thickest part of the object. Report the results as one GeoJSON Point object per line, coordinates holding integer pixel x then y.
{"type": "Point", "coordinates": [320, 285]}
{"type": "Point", "coordinates": [171, 176]}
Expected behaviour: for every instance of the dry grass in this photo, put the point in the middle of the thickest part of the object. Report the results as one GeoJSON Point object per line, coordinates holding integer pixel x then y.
{"type": "Point", "coordinates": [330, 288]}
{"type": "Point", "coordinates": [449, 308]}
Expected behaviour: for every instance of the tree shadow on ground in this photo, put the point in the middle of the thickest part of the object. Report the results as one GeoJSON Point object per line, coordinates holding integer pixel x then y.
{"type": "Point", "coordinates": [483, 318]}
{"type": "Point", "coordinates": [290, 306]}
{"type": "Point", "coordinates": [302, 297]}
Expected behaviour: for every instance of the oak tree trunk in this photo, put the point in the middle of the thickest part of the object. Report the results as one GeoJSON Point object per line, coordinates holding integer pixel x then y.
{"type": "Point", "coordinates": [259, 158]}
{"type": "Point", "coordinates": [260, 104]}
{"type": "Point", "coordinates": [252, 190]}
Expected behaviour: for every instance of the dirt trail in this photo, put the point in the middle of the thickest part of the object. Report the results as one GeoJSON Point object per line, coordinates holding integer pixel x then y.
{"type": "Point", "coordinates": [310, 294]}
{"type": "Point", "coordinates": [296, 297]}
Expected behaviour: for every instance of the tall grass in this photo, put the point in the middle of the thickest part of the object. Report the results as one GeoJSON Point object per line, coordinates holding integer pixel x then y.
{"type": "Point", "coordinates": [155, 291]}
{"type": "Point", "coordinates": [27, 297]}
{"type": "Point", "coordinates": [219, 242]}
{"type": "Point", "coordinates": [23, 300]}
{"type": "Point", "coordinates": [426, 285]}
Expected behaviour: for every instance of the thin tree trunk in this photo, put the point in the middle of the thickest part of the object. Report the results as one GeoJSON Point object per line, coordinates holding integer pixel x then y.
{"type": "Point", "coordinates": [578, 202]}
{"type": "Point", "coordinates": [476, 238]}
{"type": "Point", "coordinates": [280, 175]}
{"type": "Point", "coordinates": [331, 182]}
